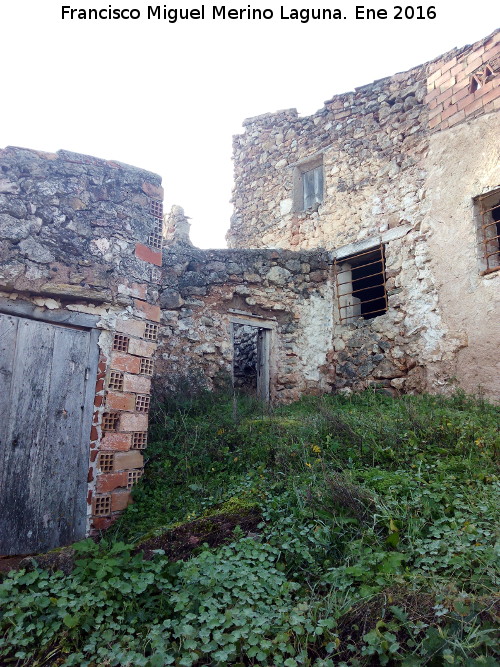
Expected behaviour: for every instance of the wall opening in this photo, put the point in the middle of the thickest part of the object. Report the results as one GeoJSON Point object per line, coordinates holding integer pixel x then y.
{"type": "Point", "coordinates": [489, 231]}
{"type": "Point", "coordinates": [360, 281]}
{"type": "Point", "coordinates": [251, 359]}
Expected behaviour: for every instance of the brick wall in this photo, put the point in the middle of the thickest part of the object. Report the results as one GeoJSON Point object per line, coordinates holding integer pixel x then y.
{"type": "Point", "coordinates": [465, 85]}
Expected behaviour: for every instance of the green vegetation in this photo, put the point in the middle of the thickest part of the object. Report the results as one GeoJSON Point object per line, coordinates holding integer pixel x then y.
{"type": "Point", "coordinates": [374, 543]}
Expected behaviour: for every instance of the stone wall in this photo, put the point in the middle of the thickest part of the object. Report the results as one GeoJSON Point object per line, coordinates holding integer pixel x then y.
{"type": "Point", "coordinates": [83, 235]}
{"type": "Point", "coordinates": [397, 173]}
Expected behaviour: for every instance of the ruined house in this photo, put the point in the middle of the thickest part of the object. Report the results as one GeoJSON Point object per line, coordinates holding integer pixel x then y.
{"type": "Point", "coordinates": [364, 251]}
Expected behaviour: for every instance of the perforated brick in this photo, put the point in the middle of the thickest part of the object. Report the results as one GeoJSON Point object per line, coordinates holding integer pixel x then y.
{"type": "Point", "coordinates": [110, 421]}
{"type": "Point", "coordinates": [102, 505]}
{"type": "Point", "coordinates": [146, 367]}
{"type": "Point", "coordinates": [120, 343]}
{"type": "Point", "coordinates": [142, 403]}
{"type": "Point", "coordinates": [133, 477]}
{"type": "Point", "coordinates": [151, 331]}
{"type": "Point", "coordinates": [106, 462]}
{"type": "Point", "coordinates": [156, 208]}
{"type": "Point", "coordinates": [116, 380]}
{"type": "Point", "coordinates": [140, 440]}
{"type": "Point", "coordinates": [155, 241]}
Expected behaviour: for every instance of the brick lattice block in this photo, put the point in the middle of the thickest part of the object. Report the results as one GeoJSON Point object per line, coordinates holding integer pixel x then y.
{"type": "Point", "coordinates": [131, 327]}
{"type": "Point", "coordinates": [125, 362]}
{"type": "Point", "coordinates": [120, 500]}
{"type": "Point", "coordinates": [147, 255]}
{"type": "Point", "coordinates": [128, 460]}
{"type": "Point", "coordinates": [150, 312]}
{"type": "Point", "coordinates": [141, 348]}
{"type": "Point", "coordinates": [110, 481]}
{"type": "Point", "coordinates": [101, 505]}
{"type": "Point", "coordinates": [120, 343]}
{"type": "Point", "coordinates": [133, 422]}
{"type": "Point", "coordinates": [120, 401]}
{"type": "Point", "coordinates": [118, 442]}
{"type": "Point", "coordinates": [137, 383]}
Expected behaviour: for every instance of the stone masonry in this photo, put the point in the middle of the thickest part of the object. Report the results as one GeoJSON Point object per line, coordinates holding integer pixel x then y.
{"type": "Point", "coordinates": [83, 235]}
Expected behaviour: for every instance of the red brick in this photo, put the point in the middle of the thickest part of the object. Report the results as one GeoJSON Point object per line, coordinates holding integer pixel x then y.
{"type": "Point", "coordinates": [147, 255]}
{"type": "Point", "coordinates": [93, 433]}
{"type": "Point", "coordinates": [128, 460]}
{"type": "Point", "coordinates": [89, 498]}
{"type": "Point", "coordinates": [444, 96]}
{"type": "Point", "coordinates": [459, 95]}
{"type": "Point", "coordinates": [431, 96]}
{"type": "Point", "coordinates": [137, 383]}
{"type": "Point", "coordinates": [99, 386]}
{"type": "Point", "coordinates": [490, 95]}
{"type": "Point", "coordinates": [469, 99]}
{"type": "Point", "coordinates": [125, 362]}
{"type": "Point", "coordinates": [457, 69]}
{"type": "Point", "coordinates": [449, 83]}
{"type": "Point", "coordinates": [93, 455]}
{"type": "Point", "coordinates": [151, 312]}
{"type": "Point", "coordinates": [434, 121]}
{"type": "Point", "coordinates": [473, 107]}
{"type": "Point", "coordinates": [435, 112]}
{"type": "Point", "coordinates": [155, 191]}
{"type": "Point", "coordinates": [98, 400]}
{"type": "Point", "coordinates": [449, 112]}
{"type": "Point", "coordinates": [463, 82]}
{"type": "Point", "coordinates": [133, 422]}
{"type": "Point", "coordinates": [434, 76]}
{"type": "Point", "coordinates": [475, 64]}
{"type": "Point", "coordinates": [116, 442]}
{"type": "Point", "coordinates": [102, 522]}
{"type": "Point", "coordinates": [138, 290]}
{"type": "Point", "coordinates": [120, 500]}
{"type": "Point", "coordinates": [90, 475]}
{"type": "Point", "coordinates": [496, 104]}
{"type": "Point", "coordinates": [116, 401]}
{"type": "Point", "coordinates": [131, 327]}
{"type": "Point", "coordinates": [473, 55]}
{"type": "Point", "coordinates": [141, 348]}
{"type": "Point", "coordinates": [111, 480]}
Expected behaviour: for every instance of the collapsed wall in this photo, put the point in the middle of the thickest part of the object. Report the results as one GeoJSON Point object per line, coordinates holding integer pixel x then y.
{"type": "Point", "coordinates": [408, 165]}
{"type": "Point", "coordinates": [80, 256]}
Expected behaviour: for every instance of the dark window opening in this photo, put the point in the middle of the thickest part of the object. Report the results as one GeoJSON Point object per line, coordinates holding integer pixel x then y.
{"type": "Point", "coordinates": [361, 285]}
{"type": "Point", "coordinates": [490, 231]}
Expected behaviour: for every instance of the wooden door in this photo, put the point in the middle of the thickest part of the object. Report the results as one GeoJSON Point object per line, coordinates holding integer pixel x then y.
{"type": "Point", "coordinates": [263, 364]}
{"type": "Point", "coordinates": [45, 421]}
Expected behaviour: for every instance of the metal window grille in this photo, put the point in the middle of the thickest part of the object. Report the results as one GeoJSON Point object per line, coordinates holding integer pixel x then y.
{"type": "Point", "coordinates": [490, 231]}
{"type": "Point", "coordinates": [133, 477]}
{"type": "Point", "coordinates": [115, 381]}
{"type": "Point", "coordinates": [360, 285]}
{"type": "Point", "coordinates": [142, 403]}
{"type": "Point", "coordinates": [120, 343]}
{"type": "Point", "coordinates": [156, 208]}
{"type": "Point", "coordinates": [106, 462]}
{"type": "Point", "coordinates": [140, 440]}
{"type": "Point", "coordinates": [102, 505]}
{"type": "Point", "coordinates": [110, 421]}
{"type": "Point", "coordinates": [146, 366]}
{"type": "Point", "coordinates": [155, 241]}
{"type": "Point", "coordinates": [151, 331]}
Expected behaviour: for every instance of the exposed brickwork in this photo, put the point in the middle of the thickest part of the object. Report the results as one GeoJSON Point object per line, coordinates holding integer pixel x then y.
{"type": "Point", "coordinates": [464, 86]}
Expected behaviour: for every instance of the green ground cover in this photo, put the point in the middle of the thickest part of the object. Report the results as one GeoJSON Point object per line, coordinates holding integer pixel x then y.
{"type": "Point", "coordinates": [376, 543]}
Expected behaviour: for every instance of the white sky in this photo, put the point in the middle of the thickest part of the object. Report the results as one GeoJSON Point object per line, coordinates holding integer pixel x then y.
{"type": "Point", "coordinates": [168, 97]}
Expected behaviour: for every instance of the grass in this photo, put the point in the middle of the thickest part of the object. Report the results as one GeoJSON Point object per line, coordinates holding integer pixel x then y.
{"type": "Point", "coordinates": [376, 542]}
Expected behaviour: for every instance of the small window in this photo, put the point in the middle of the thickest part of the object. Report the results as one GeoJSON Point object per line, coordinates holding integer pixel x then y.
{"type": "Point", "coordinates": [312, 185]}
{"type": "Point", "coordinates": [360, 283]}
{"type": "Point", "coordinates": [489, 231]}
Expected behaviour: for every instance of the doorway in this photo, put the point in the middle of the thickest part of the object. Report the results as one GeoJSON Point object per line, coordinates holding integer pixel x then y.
{"type": "Point", "coordinates": [251, 342]}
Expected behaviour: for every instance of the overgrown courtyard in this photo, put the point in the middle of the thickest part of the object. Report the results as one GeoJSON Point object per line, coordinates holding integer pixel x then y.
{"type": "Point", "coordinates": [341, 530]}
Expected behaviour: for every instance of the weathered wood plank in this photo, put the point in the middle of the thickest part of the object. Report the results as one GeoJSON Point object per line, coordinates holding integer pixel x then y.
{"type": "Point", "coordinates": [64, 465]}
{"type": "Point", "coordinates": [25, 435]}
{"type": "Point", "coordinates": [8, 336]}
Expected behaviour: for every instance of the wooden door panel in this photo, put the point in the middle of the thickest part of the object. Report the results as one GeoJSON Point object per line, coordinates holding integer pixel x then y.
{"type": "Point", "coordinates": [45, 456]}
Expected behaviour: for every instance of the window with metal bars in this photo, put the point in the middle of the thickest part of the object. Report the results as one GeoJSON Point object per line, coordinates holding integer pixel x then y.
{"type": "Point", "coordinates": [489, 231]}
{"type": "Point", "coordinates": [360, 285]}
